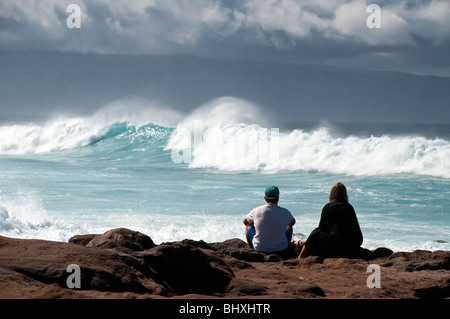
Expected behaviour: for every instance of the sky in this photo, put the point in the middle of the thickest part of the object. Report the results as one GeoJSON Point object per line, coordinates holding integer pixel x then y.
{"type": "Point", "coordinates": [413, 37]}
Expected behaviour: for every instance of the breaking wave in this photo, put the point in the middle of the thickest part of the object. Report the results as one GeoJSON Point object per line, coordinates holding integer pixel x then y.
{"type": "Point", "coordinates": [229, 134]}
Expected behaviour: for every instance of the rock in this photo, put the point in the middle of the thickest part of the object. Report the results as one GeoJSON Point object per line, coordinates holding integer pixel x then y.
{"type": "Point", "coordinates": [302, 289]}
{"type": "Point", "coordinates": [122, 263]}
{"type": "Point", "coordinates": [230, 245]}
{"type": "Point", "coordinates": [186, 269]}
{"type": "Point", "coordinates": [272, 258]}
{"type": "Point", "coordinates": [122, 237]}
{"type": "Point", "coordinates": [374, 254]}
{"type": "Point", "coordinates": [239, 250]}
{"type": "Point", "coordinates": [46, 262]}
{"type": "Point", "coordinates": [196, 243]}
{"type": "Point", "coordinates": [82, 240]}
{"type": "Point", "coordinates": [310, 261]}
{"type": "Point", "coordinates": [437, 290]}
{"type": "Point", "coordinates": [419, 260]}
{"type": "Point", "coordinates": [233, 262]}
{"type": "Point", "coordinates": [370, 294]}
{"type": "Point", "coordinates": [243, 287]}
{"type": "Point", "coordinates": [354, 265]}
{"type": "Point", "coordinates": [164, 269]}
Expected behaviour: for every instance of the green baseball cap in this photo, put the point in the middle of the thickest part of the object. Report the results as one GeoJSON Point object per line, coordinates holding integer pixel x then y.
{"type": "Point", "coordinates": [272, 192]}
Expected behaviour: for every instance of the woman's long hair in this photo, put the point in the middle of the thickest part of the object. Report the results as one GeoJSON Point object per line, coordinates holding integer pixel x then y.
{"type": "Point", "coordinates": [339, 193]}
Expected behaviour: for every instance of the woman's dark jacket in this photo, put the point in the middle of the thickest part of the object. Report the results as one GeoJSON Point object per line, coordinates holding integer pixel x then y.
{"type": "Point", "coordinates": [338, 234]}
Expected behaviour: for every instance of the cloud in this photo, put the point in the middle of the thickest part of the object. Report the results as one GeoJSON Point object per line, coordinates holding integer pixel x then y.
{"type": "Point", "coordinates": [285, 15]}
{"type": "Point", "coordinates": [226, 27]}
{"type": "Point", "coordinates": [350, 21]}
{"type": "Point", "coordinates": [144, 26]}
{"type": "Point", "coordinates": [345, 20]}
{"type": "Point", "coordinates": [431, 22]}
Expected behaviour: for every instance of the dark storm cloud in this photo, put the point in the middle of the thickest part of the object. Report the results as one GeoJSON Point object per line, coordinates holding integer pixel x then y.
{"type": "Point", "coordinates": [417, 33]}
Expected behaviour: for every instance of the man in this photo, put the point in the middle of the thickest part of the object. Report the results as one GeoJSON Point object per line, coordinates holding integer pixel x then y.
{"type": "Point", "coordinates": [269, 227]}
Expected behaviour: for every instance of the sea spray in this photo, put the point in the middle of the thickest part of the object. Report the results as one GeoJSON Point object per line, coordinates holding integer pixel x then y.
{"type": "Point", "coordinates": [242, 147]}
{"type": "Point", "coordinates": [230, 134]}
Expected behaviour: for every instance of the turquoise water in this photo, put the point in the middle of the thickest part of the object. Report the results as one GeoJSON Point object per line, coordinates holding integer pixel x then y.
{"type": "Point", "coordinates": [69, 177]}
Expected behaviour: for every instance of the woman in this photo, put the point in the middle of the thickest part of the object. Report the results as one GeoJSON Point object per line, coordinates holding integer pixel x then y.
{"type": "Point", "coordinates": [338, 234]}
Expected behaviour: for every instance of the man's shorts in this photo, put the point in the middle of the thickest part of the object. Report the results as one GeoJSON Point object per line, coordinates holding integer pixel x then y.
{"type": "Point", "coordinates": [252, 233]}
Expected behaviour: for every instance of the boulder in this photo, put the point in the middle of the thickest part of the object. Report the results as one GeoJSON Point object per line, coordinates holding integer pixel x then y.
{"type": "Point", "coordinates": [186, 269]}
{"type": "Point", "coordinates": [374, 254]}
{"type": "Point", "coordinates": [82, 240]}
{"type": "Point", "coordinates": [46, 262]}
{"type": "Point", "coordinates": [434, 290]}
{"type": "Point", "coordinates": [239, 250]}
{"type": "Point", "coordinates": [242, 287]}
{"type": "Point", "coordinates": [419, 260]}
{"type": "Point", "coordinates": [122, 238]}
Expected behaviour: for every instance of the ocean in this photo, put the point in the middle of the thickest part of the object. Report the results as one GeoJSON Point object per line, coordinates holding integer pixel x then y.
{"type": "Point", "coordinates": [173, 176]}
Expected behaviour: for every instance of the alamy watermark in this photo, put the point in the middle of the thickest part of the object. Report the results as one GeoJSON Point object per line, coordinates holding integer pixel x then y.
{"type": "Point", "coordinates": [73, 21]}
{"type": "Point", "coordinates": [374, 280]}
{"type": "Point", "coordinates": [374, 19]}
{"type": "Point", "coordinates": [235, 146]}
{"type": "Point", "coordinates": [73, 280]}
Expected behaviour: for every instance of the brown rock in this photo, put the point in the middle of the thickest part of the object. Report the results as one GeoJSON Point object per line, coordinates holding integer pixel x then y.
{"type": "Point", "coordinates": [436, 290]}
{"type": "Point", "coordinates": [82, 240]}
{"type": "Point", "coordinates": [45, 263]}
{"type": "Point", "coordinates": [122, 237]}
{"type": "Point", "coordinates": [419, 260]}
{"type": "Point", "coordinates": [118, 264]}
{"type": "Point", "coordinates": [302, 289]}
{"type": "Point", "coordinates": [370, 294]}
{"type": "Point", "coordinates": [239, 250]}
{"type": "Point", "coordinates": [310, 261]}
{"type": "Point", "coordinates": [186, 269]}
{"type": "Point", "coordinates": [374, 254]}
{"type": "Point", "coordinates": [244, 287]}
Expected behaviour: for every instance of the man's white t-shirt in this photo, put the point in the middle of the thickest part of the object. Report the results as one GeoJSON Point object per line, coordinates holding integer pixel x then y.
{"type": "Point", "coordinates": [270, 223]}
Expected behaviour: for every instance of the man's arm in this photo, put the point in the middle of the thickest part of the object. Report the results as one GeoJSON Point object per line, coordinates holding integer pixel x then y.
{"type": "Point", "coordinates": [247, 223]}
{"type": "Point", "coordinates": [292, 223]}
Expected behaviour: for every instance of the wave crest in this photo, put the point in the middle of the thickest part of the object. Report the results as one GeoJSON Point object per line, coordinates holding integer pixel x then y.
{"type": "Point", "coordinates": [241, 147]}
{"type": "Point", "coordinates": [230, 134]}
{"type": "Point", "coordinates": [63, 133]}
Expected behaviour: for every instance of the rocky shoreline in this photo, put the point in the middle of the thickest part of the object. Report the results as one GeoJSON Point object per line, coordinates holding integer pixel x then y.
{"type": "Point", "coordinates": [122, 264]}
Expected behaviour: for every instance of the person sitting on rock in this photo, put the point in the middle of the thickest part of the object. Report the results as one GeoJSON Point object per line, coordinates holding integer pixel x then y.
{"type": "Point", "coordinates": [338, 234]}
{"type": "Point", "coordinates": [269, 227]}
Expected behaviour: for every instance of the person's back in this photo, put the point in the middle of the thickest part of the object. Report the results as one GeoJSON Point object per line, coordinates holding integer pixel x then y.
{"type": "Point", "coordinates": [340, 222]}
{"type": "Point", "coordinates": [269, 227]}
{"type": "Point", "coordinates": [270, 223]}
{"type": "Point", "coordinates": [338, 233]}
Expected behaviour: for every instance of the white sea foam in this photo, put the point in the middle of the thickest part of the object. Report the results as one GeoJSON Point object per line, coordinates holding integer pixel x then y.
{"type": "Point", "coordinates": [320, 151]}
{"type": "Point", "coordinates": [230, 134]}
{"type": "Point", "coordinates": [24, 216]}
{"type": "Point", "coordinates": [216, 136]}
{"type": "Point", "coordinates": [63, 132]}
{"type": "Point", "coordinates": [55, 135]}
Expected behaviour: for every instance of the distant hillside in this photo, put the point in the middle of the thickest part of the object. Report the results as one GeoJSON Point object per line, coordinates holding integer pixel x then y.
{"type": "Point", "coordinates": [34, 83]}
